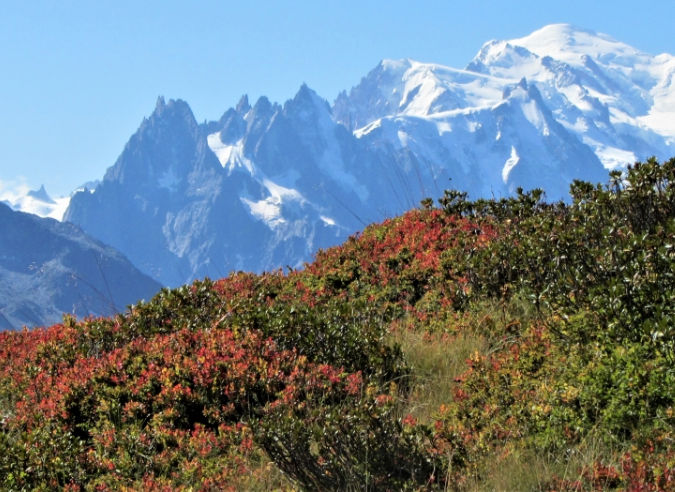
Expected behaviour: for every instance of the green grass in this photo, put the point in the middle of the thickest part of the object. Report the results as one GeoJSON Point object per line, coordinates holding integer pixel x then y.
{"type": "Point", "coordinates": [437, 359]}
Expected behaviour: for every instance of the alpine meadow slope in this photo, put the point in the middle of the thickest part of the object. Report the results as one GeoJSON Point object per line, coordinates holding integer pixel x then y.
{"type": "Point", "coordinates": [472, 346]}
{"type": "Point", "coordinates": [267, 185]}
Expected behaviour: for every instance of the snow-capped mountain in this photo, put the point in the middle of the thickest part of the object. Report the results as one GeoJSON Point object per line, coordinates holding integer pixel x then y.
{"type": "Point", "coordinates": [263, 187]}
{"type": "Point", "coordinates": [37, 202]}
{"type": "Point", "coordinates": [618, 101]}
{"type": "Point", "coordinates": [267, 185]}
{"type": "Point", "coordinates": [487, 147]}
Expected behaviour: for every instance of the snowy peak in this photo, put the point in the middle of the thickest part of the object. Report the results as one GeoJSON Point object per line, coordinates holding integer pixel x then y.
{"type": "Point", "coordinates": [610, 67]}
{"type": "Point", "coordinates": [564, 43]}
{"type": "Point", "coordinates": [41, 195]}
{"type": "Point", "coordinates": [36, 202]}
{"type": "Point", "coordinates": [502, 55]}
{"type": "Point", "coordinates": [612, 97]}
{"type": "Point", "coordinates": [378, 94]}
{"type": "Point", "coordinates": [163, 152]}
{"type": "Point", "coordinates": [570, 44]}
{"type": "Point", "coordinates": [432, 89]}
{"type": "Point", "coordinates": [416, 89]}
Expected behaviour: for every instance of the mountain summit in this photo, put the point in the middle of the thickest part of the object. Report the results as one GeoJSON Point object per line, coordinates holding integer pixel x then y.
{"type": "Point", "coordinates": [247, 192]}
{"type": "Point", "coordinates": [268, 184]}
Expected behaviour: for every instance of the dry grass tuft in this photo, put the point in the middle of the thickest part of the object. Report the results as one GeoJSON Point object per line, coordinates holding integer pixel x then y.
{"type": "Point", "coordinates": [264, 476]}
{"type": "Point", "coordinates": [436, 361]}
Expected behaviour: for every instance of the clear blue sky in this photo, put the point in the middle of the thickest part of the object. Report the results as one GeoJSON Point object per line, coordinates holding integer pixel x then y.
{"type": "Point", "coordinates": [77, 77]}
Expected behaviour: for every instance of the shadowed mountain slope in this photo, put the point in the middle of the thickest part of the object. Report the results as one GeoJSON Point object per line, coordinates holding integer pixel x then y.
{"type": "Point", "coordinates": [48, 268]}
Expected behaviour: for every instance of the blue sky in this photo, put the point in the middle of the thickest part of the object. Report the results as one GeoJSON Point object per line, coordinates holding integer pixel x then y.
{"type": "Point", "coordinates": [77, 77]}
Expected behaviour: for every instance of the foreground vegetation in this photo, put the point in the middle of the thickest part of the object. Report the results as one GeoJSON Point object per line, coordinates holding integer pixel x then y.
{"type": "Point", "coordinates": [488, 345]}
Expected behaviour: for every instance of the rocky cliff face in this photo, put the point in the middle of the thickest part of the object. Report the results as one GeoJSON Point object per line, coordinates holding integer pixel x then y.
{"type": "Point", "coordinates": [249, 192]}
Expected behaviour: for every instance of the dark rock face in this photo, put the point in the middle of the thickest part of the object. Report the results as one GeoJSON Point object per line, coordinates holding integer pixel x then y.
{"type": "Point", "coordinates": [48, 268]}
{"type": "Point", "coordinates": [180, 214]}
{"type": "Point", "coordinates": [158, 204]}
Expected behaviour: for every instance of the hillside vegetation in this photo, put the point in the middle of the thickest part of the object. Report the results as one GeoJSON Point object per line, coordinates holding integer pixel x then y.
{"type": "Point", "coordinates": [491, 345]}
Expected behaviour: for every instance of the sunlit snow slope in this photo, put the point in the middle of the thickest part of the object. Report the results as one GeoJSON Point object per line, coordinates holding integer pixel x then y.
{"type": "Point", "coordinates": [36, 202]}
{"type": "Point", "coordinates": [615, 99]}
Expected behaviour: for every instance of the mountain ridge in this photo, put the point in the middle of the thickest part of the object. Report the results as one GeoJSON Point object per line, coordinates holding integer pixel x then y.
{"type": "Point", "coordinates": [268, 184]}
